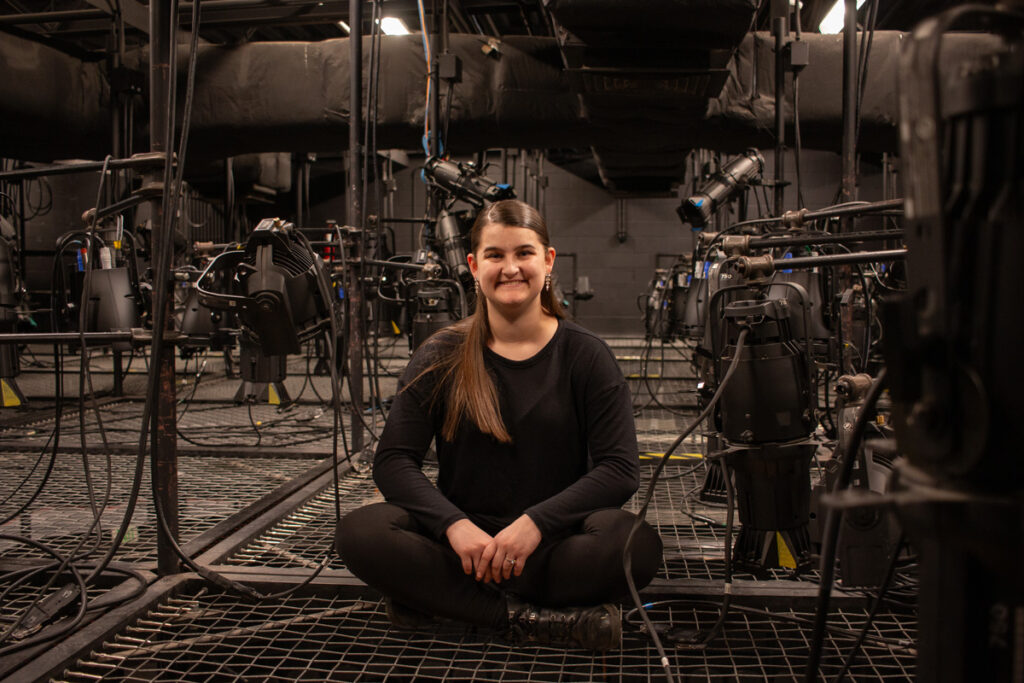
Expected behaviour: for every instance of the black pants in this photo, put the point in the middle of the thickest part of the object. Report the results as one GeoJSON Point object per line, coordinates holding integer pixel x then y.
{"type": "Point", "coordinates": [384, 546]}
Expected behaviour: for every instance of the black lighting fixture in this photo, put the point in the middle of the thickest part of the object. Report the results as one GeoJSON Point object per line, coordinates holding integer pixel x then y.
{"type": "Point", "coordinates": [276, 285]}
{"type": "Point", "coordinates": [281, 293]}
{"type": "Point", "coordinates": [463, 181]}
{"type": "Point", "coordinates": [698, 208]}
{"type": "Point", "coordinates": [765, 420]}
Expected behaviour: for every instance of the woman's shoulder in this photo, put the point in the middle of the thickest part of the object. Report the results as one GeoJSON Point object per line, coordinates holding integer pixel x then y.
{"type": "Point", "coordinates": [583, 339]}
{"type": "Point", "coordinates": [433, 353]}
{"type": "Point", "coordinates": [583, 344]}
{"type": "Point", "coordinates": [441, 343]}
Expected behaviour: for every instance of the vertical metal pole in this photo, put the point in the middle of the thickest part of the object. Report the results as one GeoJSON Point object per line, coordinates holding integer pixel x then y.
{"type": "Point", "coordinates": [433, 108]}
{"type": "Point", "coordinates": [300, 187]}
{"type": "Point", "coordinates": [229, 200]}
{"type": "Point", "coordinates": [779, 29]}
{"type": "Point", "coordinates": [435, 83]}
{"type": "Point", "coordinates": [848, 158]}
{"type": "Point", "coordinates": [162, 14]}
{"type": "Point", "coordinates": [355, 218]}
{"type": "Point", "coordinates": [849, 151]}
{"type": "Point", "coordinates": [118, 389]}
{"type": "Point", "coordinates": [22, 228]}
{"type": "Point", "coordinates": [542, 201]}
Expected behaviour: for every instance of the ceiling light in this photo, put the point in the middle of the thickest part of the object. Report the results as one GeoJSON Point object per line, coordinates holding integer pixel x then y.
{"type": "Point", "coordinates": [393, 26]}
{"type": "Point", "coordinates": [833, 21]}
{"type": "Point", "coordinates": [344, 27]}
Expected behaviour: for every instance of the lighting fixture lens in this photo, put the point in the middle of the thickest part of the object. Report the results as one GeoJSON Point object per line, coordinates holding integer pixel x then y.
{"type": "Point", "coordinates": [344, 27]}
{"type": "Point", "coordinates": [833, 21]}
{"type": "Point", "coordinates": [393, 26]}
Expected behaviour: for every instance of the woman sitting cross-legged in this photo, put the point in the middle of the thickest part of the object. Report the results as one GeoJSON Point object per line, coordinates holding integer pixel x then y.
{"type": "Point", "coordinates": [533, 426]}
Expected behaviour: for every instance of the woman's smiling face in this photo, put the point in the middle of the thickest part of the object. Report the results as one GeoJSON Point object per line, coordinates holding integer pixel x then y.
{"type": "Point", "coordinates": [510, 263]}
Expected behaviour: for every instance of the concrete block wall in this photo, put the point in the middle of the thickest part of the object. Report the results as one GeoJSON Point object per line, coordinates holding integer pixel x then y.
{"type": "Point", "coordinates": [584, 219]}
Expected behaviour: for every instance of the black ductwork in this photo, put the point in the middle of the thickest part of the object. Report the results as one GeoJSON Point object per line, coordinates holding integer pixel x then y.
{"type": "Point", "coordinates": [695, 24]}
{"type": "Point", "coordinates": [51, 105]}
{"type": "Point", "coordinates": [293, 97]}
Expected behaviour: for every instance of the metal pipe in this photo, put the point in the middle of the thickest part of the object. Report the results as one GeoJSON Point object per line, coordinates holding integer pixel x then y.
{"type": "Point", "coordinates": [841, 259]}
{"type": "Point", "coordinates": [779, 29]}
{"type": "Point", "coordinates": [184, 9]}
{"type": "Point", "coordinates": [93, 338]}
{"type": "Point", "coordinates": [434, 141]}
{"type": "Point", "coordinates": [357, 319]}
{"type": "Point", "coordinates": [139, 161]}
{"type": "Point", "coordinates": [856, 209]}
{"type": "Point", "coordinates": [164, 434]}
{"type": "Point", "coordinates": [401, 265]}
{"type": "Point", "coordinates": [47, 17]}
{"type": "Point", "coordinates": [800, 240]}
{"type": "Point", "coordinates": [849, 144]}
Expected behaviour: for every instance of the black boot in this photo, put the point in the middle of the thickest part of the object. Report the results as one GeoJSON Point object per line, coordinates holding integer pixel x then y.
{"type": "Point", "coordinates": [591, 628]}
{"type": "Point", "coordinates": [406, 618]}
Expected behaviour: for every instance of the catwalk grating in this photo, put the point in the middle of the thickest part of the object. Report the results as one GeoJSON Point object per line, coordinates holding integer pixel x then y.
{"type": "Point", "coordinates": [199, 634]}
{"type": "Point", "coordinates": [210, 490]}
{"type": "Point", "coordinates": [692, 532]}
{"type": "Point", "coordinates": [335, 628]}
{"type": "Point", "coordinates": [301, 429]}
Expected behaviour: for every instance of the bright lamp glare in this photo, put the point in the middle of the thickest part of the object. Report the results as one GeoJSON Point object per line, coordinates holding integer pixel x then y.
{"type": "Point", "coordinates": [393, 26]}
{"type": "Point", "coordinates": [833, 21]}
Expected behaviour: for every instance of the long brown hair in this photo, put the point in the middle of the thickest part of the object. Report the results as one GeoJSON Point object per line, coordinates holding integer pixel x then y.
{"type": "Point", "coordinates": [471, 391]}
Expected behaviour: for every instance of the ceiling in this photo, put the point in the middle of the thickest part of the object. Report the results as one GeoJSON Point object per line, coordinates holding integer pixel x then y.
{"type": "Point", "coordinates": [87, 26]}
{"type": "Point", "coordinates": [627, 62]}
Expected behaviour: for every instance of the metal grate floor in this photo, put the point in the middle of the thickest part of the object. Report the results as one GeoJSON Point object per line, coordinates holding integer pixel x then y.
{"type": "Point", "coordinates": [340, 632]}
{"type": "Point", "coordinates": [302, 429]}
{"type": "Point", "coordinates": [204, 635]}
{"type": "Point", "coordinates": [210, 489]}
{"type": "Point", "coordinates": [693, 548]}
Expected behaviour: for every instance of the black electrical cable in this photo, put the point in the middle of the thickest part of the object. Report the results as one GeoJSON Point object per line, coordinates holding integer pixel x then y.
{"type": "Point", "coordinates": [797, 146]}
{"type": "Point", "coordinates": [10, 201]}
{"type": "Point", "coordinates": [58, 375]}
{"type": "Point", "coordinates": [852, 656]}
{"type": "Point", "coordinates": [345, 265]}
{"type": "Point", "coordinates": [161, 266]}
{"type": "Point", "coordinates": [64, 563]}
{"type": "Point", "coordinates": [644, 366]}
{"type": "Point", "coordinates": [627, 560]}
{"type": "Point", "coordinates": [833, 520]}
{"type": "Point", "coordinates": [730, 505]}
{"type": "Point", "coordinates": [219, 579]}
{"type": "Point", "coordinates": [84, 372]}
{"type": "Point", "coordinates": [862, 66]}
{"type": "Point", "coordinates": [58, 367]}
{"type": "Point", "coordinates": [306, 378]}
{"type": "Point", "coordinates": [255, 427]}
{"type": "Point", "coordinates": [374, 37]}
{"type": "Point", "coordinates": [900, 644]}
{"type": "Point", "coordinates": [85, 377]}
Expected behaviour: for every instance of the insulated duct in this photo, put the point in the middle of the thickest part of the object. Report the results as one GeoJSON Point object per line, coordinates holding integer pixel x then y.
{"type": "Point", "coordinates": [51, 105]}
{"type": "Point", "coordinates": [293, 97]}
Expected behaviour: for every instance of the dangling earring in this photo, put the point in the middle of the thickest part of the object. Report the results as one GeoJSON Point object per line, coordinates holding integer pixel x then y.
{"type": "Point", "coordinates": [547, 282]}
{"type": "Point", "coordinates": [476, 286]}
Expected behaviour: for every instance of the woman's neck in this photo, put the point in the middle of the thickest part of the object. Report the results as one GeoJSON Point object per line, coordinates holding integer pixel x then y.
{"type": "Point", "coordinates": [523, 336]}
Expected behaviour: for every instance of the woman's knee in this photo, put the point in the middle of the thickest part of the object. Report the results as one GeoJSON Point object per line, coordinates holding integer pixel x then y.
{"type": "Point", "coordinates": [613, 526]}
{"type": "Point", "coordinates": [362, 530]}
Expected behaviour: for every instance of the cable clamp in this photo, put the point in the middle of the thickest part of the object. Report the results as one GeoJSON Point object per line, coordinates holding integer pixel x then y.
{"type": "Point", "coordinates": [47, 610]}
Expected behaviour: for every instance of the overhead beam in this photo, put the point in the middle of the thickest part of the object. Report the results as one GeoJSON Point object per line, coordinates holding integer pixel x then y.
{"type": "Point", "coordinates": [134, 13]}
{"type": "Point", "coordinates": [279, 15]}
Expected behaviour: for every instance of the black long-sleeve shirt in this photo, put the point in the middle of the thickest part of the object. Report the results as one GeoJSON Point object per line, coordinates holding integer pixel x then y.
{"type": "Point", "coordinates": [573, 448]}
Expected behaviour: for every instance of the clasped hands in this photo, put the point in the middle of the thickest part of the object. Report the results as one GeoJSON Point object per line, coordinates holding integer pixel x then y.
{"type": "Point", "coordinates": [498, 557]}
